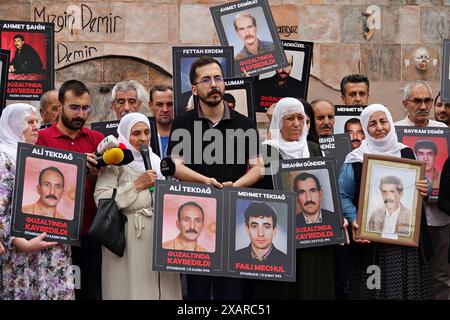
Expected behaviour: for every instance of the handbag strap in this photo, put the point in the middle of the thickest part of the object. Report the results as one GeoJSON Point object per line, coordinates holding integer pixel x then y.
{"type": "Point", "coordinates": [114, 193]}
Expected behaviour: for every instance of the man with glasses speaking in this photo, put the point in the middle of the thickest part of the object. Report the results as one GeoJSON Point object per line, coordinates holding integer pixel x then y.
{"type": "Point", "coordinates": [70, 134]}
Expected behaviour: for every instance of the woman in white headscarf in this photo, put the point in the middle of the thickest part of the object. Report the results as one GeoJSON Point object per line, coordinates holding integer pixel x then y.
{"type": "Point", "coordinates": [405, 271]}
{"type": "Point", "coordinates": [315, 266]}
{"type": "Point", "coordinates": [31, 269]}
{"type": "Point", "coordinates": [130, 276]}
{"type": "Point", "coordinates": [288, 131]}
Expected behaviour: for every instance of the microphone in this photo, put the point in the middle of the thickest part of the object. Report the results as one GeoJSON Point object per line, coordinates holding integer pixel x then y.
{"type": "Point", "coordinates": [107, 143]}
{"type": "Point", "coordinates": [145, 156]}
{"type": "Point", "coordinates": [115, 156]}
{"type": "Point", "coordinates": [168, 168]}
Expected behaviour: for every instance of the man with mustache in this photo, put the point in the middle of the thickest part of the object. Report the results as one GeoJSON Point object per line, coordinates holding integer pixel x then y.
{"type": "Point", "coordinates": [280, 85]}
{"type": "Point", "coordinates": [418, 101]}
{"type": "Point", "coordinates": [191, 220]}
{"type": "Point", "coordinates": [354, 128]}
{"type": "Point", "coordinates": [69, 133]}
{"type": "Point", "coordinates": [245, 26]}
{"type": "Point", "coordinates": [190, 148]}
{"type": "Point", "coordinates": [441, 110]}
{"type": "Point", "coordinates": [393, 217]}
{"type": "Point", "coordinates": [125, 98]}
{"type": "Point", "coordinates": [26, 59]}
{"type": "Point", "coordinates": [309, 194]}
{"type": "Point", "coordinates": [50, 189]}
{"type": "Point", "coordinates": [324, 117]}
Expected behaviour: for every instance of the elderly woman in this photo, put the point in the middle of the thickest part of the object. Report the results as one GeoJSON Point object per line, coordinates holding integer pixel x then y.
{"type": "Point", "coordinates": [289, 132]}
{"type": "Point", "coordinates": [130, 276]}
{"type": "Point", "coordinates": [315, 266]}
{"type": "Point", "coordinates": [32, 269]}
{"type": "Point", "coordinates": [405, 271]}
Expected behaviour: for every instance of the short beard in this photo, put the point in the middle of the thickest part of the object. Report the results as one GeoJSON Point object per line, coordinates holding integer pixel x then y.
{"type": "Point", "coordinates": [212, 103]}
{"type": "Point", "coordinates": [68, 124]}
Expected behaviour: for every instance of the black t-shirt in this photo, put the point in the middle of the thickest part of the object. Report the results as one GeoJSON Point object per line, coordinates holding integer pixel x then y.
{"type": "Point", "coordinates": [228, 161]}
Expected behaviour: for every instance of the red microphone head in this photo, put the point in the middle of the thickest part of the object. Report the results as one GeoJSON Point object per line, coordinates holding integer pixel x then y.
{"type": "Point", "coordinates": [122, 146]}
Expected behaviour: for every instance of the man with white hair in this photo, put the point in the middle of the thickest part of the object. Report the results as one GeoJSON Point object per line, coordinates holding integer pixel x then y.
{"type": "Point", "coordinates": [418, 101]}
{"type": "Point", "coordinates": [126, 97]}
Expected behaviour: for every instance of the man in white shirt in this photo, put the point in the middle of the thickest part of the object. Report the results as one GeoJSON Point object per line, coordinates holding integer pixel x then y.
{"type": "Point", "coordinates": [418, 101]}
{"type": "Point", "coordinates": [438, 222]}
{"type": "Point", "coordinates": [393, 217]}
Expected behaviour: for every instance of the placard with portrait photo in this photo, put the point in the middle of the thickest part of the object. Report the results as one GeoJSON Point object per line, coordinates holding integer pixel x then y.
{"type": "Point", "coordinates": [290, 81]}
{"type": "Point", "coordinates": [344, 115]}
{"type": "Point", "coordinates": [182, 59]}
{"type": "Point", "coordinates": [390, 205]}
{"type": "Point", "coordinates": [31, 68]}
{"type": "Point", "coordinates": [188, 232]}
{"type": "Point", "coordinates": [240, 95]}
{"type": "Point", "coordinates": [430, 145]}
{"type": "Point", "coordinates": [249, 27]}
{"type": "Point", "coordinates": [48, 194]}
{"type": "Point", "coordinates": [261, 234]}
{"type": "Point", "coordinates": [445, 78]}
{"type": "Point", "coordinates": [336, 146]}
{"type": "Point", "coordinates": [4, 65]}
{"type": "Point", "coordinates": [318, 210]}
{"type": "Point", "coordinates": [110, 128]}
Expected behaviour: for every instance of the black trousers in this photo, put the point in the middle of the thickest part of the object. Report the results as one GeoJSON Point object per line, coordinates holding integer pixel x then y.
{"type": "Point", "coordinates": [342, 268]}
{"type": "Point", "coordinates": [88, 257]}
{"type": "Point", "coordinates": [217, 288]}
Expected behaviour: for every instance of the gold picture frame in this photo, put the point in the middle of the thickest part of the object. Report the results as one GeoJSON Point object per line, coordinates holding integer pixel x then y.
{"type": "Point", "coordinates": [390, 206]}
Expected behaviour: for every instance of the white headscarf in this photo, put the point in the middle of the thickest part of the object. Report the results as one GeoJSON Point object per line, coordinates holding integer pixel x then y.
{"type": "Point", "coordinates": [388, 145]}
{"type": "Point", "coordinates": [12, 125]}
{"type": "Point", "coordinates": [288, 149]}
{"type": "Point", "coordinates": [124, 130]}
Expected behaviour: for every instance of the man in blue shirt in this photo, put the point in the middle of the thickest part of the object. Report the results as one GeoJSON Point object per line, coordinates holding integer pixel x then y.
{"type": "Point", "coordinates": [161, 106]}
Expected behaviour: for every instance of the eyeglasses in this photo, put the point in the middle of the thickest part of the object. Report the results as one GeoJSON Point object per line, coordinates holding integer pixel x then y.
{"type": "Point", "coordinates": [76, 108]}
{"type": "Point", "coordinates": [207, 81]}
{"type": "Point", "coordinates": [418, 102]}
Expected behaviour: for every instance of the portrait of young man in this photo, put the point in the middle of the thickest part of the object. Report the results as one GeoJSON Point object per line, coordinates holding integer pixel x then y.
{"type": "Point", "coordinates": [26, 59]}
{"type": "Point", "coordinates": [426, 150]}
{"type": "Point", "coordinates": [261, 229]}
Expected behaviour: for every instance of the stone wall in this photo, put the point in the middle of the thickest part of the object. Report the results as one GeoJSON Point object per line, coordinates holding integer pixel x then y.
{"type": "Point", "coordinates": [102, 42]}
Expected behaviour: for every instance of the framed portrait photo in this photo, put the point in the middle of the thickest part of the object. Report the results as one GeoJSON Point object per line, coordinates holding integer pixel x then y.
{"type": "Point", "coordinates": [389, 203]}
